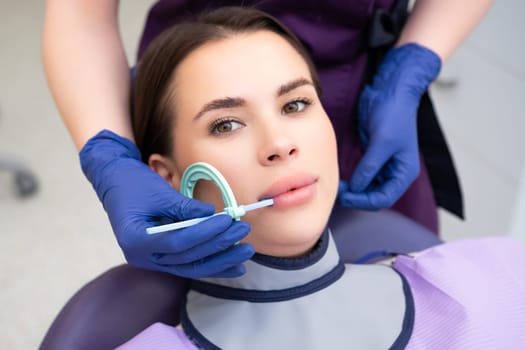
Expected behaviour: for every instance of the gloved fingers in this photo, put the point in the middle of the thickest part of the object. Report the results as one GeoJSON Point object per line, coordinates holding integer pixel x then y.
{"type": "Point", "coordinates": [363, 106]}
{"type": "Point", "coordinates": [343, 187]}
{"type": "Point", "coordinates": [181, 240]}
{"type": "Point", "coordinates": [353, 200]}
{"type": "Point", "coordinates": [388, 185]}
{"type": "Point", "coordinates": [215, 264]}
{"type": "Point", "coordinates": [404, 166]}
{"type": "Point", "coordinates": [382, 195]}
{"type": "Point", "coordinates": [367, 97]}
{"type": "Point", "coordinates": [365, 200]}
{"type": "Point", "coordinates": [218, 243]}
{"type": "Point", "coordinates": [369, 166]}
{"type": "Point", "coordinates": [364, 111]}
{"type": "Point", "coordinates": [178, 207]}
{"type": "Point", "coordinates": [388, 192]}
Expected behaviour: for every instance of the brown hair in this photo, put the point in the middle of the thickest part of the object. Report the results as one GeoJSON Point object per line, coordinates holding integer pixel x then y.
{"type": "Point", "coordinates": [152, 119]}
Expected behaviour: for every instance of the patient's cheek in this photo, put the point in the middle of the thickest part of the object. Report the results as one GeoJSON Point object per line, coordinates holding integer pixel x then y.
{"type": "Point", "coordinates": [207, 191]}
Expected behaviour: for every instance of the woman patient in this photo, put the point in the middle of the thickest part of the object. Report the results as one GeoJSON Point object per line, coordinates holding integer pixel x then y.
{"type": "Point", "coordinates": [237, 90]}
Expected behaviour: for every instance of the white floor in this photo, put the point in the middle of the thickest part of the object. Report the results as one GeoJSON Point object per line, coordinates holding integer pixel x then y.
{"type": "Point", "coordinates": [58, 239]}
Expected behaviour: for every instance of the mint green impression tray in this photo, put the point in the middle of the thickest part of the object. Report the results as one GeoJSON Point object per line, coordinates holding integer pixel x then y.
{"type": "Point", "coordinates": [204, 171]}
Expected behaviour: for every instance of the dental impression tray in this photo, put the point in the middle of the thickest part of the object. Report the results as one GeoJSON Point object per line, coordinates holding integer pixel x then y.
{"type": "Point", "coordinates": [204, 171]}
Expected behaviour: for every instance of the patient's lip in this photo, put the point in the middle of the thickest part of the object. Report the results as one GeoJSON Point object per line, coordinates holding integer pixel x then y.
{"type": "Point", "coordinates": [292, 190]}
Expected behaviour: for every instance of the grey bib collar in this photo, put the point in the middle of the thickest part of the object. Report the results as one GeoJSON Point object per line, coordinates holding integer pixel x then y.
{"type": "Point", "coordinates": [314, 302]}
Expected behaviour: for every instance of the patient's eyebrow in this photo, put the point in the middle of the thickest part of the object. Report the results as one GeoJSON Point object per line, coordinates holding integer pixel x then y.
{"type": "Point", "coordinates": [294, 84]}
{"type": "Point", "coordinates": [232, 102]}
{"type": "Point", "coordinates": [226, 102]}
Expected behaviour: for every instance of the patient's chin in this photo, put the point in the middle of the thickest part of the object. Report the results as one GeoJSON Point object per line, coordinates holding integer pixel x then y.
{"type": "Point", "coordinates": [285, 243]}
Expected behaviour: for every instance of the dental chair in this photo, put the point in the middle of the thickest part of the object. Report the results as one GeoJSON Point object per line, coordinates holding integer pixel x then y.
{"type": "Point", "coordinates": [25, 181]}
{"type": "Point", "coordinates": [123, 301]}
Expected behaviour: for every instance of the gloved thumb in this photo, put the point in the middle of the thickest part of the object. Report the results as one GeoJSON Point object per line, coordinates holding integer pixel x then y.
{"type": "Point", "coordinates": [368, 167]}
{"type": "Point", "coordinates": [180, 207]}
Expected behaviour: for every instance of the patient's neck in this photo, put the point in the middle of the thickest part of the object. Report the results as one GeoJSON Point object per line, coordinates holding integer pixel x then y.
{"type": "Point", "coordinates": [266, 272]}
{"type": "Point", "coordinates": [296, 248]}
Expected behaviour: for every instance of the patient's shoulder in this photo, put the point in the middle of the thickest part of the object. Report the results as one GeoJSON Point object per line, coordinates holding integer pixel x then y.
{"type": "Point", "coordinates": [478, 286]}
{"type": "Point", "coordinates": [485, 256]}
{"type": "Point", "coordinates": [484, 250]}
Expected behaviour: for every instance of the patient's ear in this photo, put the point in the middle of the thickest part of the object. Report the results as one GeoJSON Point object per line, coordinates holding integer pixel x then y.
{"type": "Point", "coordinates": [166, 168]}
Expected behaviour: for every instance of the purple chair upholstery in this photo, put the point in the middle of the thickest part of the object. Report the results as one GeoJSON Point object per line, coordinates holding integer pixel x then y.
{"type": "Point", "coordinates": [123, 301]}
{"type": "Point", "coordinates": [358, 233]}
{"type": "Point", "coordinates": [114, 307]}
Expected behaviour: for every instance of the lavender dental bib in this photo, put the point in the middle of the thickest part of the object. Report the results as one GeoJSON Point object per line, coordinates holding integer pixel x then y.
{"type": "Point", "coordinates": [465, 294]}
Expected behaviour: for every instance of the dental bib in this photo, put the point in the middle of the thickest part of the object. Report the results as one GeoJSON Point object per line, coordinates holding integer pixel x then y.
{"type": "Point", "coordinates": [465, 294]}
{"type": "Point", "coordinates": [301, 303]}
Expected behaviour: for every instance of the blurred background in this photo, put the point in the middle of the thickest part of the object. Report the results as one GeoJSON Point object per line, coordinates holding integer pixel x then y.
{"type": "Point", "coordinates": [54, 241]}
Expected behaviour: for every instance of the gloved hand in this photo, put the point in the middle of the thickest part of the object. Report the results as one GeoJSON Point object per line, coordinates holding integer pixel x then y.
{"type": "Point", "coordinates": [136, 198]}
{"type": "Point", "coordinates": [388, 128]}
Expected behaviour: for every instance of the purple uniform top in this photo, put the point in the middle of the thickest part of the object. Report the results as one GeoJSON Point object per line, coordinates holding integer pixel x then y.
{"type": "Point", "coordinates": [335, 34]}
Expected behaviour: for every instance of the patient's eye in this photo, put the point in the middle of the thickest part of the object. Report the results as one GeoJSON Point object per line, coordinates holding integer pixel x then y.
{"type": "Point", "coordinates": [225, 125]}
{"type": "Point", "coordinates": [296, 106]}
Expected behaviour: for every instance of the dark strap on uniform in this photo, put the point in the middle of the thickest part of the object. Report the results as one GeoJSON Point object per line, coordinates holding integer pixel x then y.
{"type": "Point", "coordinates": [383, 32]}
{"type": "Point", "coordinates": [438, 160]}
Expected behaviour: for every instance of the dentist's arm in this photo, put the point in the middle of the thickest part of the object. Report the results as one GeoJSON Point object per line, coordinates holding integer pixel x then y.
{"type": "Point", "coordinates": [89, 78]}
{"type": "Point", "coordinates": [442, 25]}
{"type": "Point", "coordinates": [388, 107]}
{"type": "Point", "coordinates": [86, 67]}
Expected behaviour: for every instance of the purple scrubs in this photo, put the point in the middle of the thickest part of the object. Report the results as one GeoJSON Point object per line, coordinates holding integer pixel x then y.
{"type": "Point", "coordinates": [335, 35]}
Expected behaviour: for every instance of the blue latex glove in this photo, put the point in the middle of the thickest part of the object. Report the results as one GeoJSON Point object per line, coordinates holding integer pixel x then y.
{"type": "Point", "coordinates": [388, 128]}
{"type": "Point", "coordinates": [135, 198]}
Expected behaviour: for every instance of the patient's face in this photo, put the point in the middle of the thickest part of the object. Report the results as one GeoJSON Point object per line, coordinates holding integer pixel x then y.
{"type": "Point", "coordinates": [247, 106]}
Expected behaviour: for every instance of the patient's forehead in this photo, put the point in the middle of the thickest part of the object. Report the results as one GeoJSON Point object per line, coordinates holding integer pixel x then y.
{"type": "Point", "coordinates": [239, 65]}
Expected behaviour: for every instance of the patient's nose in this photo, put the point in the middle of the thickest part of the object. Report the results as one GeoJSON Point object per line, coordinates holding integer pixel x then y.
{"type": "Point", "coordinates": [278, 147]}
